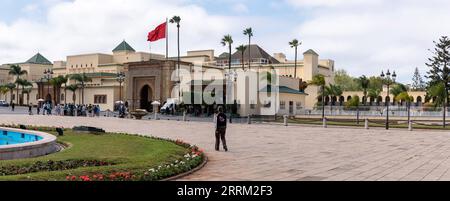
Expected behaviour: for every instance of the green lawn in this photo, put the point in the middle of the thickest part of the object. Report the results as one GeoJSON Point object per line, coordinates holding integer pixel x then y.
{"type": "Point", "coordinates": [128, 153]}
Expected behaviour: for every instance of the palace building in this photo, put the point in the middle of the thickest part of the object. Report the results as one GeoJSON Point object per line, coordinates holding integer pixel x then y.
{"type": "Point", "coordinates": [152, 77]}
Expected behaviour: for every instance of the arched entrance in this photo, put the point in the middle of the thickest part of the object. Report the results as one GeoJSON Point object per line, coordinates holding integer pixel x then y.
{"type": "Point", "coordinates": [146, 96]}
{"type": "Point", "coordinates": [48, 99]}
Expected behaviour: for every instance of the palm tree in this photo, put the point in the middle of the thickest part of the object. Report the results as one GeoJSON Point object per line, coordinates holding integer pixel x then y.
{"type": "Point", "coordinates": [4, 90]}
{"type": "Point", "coordinates": [17, 71]}
{"type": "Point", "coordinates": [228, 40]}
{"type": "Point", "coordinates": [64, 80]}
{"type": "Point", "coordinates": [438, 90]}
{"type": "Point", "coordinates": [27, 91]}
{"type": "Point", "coordinates": [177, 20]}
{"type": "Point", "coordinates": [57, 82]}
{"type": "Point", "coordinates": [364, 82]}
{"type": "Point", "coordinates": [11, 87]}
{"type": "Point", "coordinates": [397, 89]}
{"type": "Point", "coordinates": [82, 79]}
{"type": "Point", "coordinates": [73, 88]}
{"type": "Point", "coordinates": [249, 32]}
{"type": "Point", "coordinates": [23, 83]}
{"type": "Point", "coordinates": [302, 85]}
{"type": "Point", "coordinates": [333, 91]}
{"type": "Point", "coordinates": [242, 49]}
{"type": "Point", "coordinates": [319, 80]}
{"type": "Point", "coordinates": [404, 96]}
{"type": "Point", "coordinates": [294, 44]}
{"type": "Point", "coordinates": [373, 93]}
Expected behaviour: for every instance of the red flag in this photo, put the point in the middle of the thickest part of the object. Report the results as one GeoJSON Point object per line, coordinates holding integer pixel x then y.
{"type": "Point", "coordinates": [158, 33]}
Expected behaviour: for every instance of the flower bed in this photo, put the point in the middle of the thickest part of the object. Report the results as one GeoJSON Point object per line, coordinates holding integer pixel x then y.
{"type": "Point", "coordinates": [112, 157]}
{"type": "Point", "coordinates": [50, 165]}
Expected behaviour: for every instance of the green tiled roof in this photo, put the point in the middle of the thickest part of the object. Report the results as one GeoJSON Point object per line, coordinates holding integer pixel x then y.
{"type": "Point", "coordinates": [124, 46]}
{"type": "Point", "coordinates": [38, 59]}
{"type": "Point", "coordinates": [283, 89]}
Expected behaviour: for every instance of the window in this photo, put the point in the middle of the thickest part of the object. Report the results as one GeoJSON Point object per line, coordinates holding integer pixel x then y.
{"type": "Point", "coordinates": [99, 99]}
{"type": "Point", "coordinates": [282, 105]}
{"type": "Point", "coordinates": [62, 96]}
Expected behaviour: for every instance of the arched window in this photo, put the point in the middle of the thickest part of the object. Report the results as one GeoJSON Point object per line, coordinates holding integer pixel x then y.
{"type": "Point", "coordinates": [379, 100]}
{"type": "Point", "coordinates": [387, 100]}
{"type": "Point", "coordinates": [349, 98]}
{"type": "Point", "coordinates": [419, 101]}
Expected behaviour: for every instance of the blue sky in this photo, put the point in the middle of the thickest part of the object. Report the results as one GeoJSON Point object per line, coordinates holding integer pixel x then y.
{"type": "Point", "coordinates": [362, 36]}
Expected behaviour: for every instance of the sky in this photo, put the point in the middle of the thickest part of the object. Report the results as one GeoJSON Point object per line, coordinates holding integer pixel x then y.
{"type": "Point", "coordinates": [363, 37]}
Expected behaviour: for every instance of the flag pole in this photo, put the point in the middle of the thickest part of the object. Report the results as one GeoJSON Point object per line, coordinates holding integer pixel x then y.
{"type": "Point", "coordinates": [167, 38]}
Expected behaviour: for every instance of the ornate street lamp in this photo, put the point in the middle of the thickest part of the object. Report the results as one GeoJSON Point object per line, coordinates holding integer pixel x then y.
{"type": "Point", "coordinates": [231, 78]}
{"type": "Point", "coordinates": [48, 74]}
{"type": "Point", "coordinates": [120, 78]}
{"type": "Point", "coordinates": [388, 80]}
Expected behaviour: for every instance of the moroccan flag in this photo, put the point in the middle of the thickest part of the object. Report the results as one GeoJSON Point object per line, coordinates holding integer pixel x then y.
{"type": "Point", "coordinates": [158, 33]}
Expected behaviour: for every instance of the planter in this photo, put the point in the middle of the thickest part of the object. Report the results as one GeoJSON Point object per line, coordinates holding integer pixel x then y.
{"type": "Point", "coordinates": [139, 113]}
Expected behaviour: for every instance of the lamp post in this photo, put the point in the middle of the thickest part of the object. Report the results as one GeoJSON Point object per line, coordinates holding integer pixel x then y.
{"type": "Point", "coordinates": [120, 78]}
{"type": "Point", "coordinates": [231, 78]}
{"type": "Point", "coordinates": [48, 74]}
{"type": "Point", "coordinates": [388, 80]}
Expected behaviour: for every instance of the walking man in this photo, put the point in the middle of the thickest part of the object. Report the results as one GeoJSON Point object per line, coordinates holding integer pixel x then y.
{"type": "Point", "coordinates": [221, 128]}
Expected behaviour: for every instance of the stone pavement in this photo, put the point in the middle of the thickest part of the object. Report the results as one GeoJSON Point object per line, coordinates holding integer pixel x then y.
{"type": "Point", "coordinates": [301, 152]}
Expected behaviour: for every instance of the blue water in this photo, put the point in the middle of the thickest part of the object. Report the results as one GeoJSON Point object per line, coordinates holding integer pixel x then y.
{"type": "Point", "coordinates": [9, 138]}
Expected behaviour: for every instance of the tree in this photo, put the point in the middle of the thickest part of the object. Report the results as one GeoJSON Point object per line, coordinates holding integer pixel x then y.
{"type": "Point", "coordinates": [440, 70]}
{"type": "Point", "coordinates": [249, 32]}
{"type": "Point", "coordinates": [23, 83]}
{"type": "Point", "coordinates": [375, 82]}
{"type": "Point", "coordinates": [242, 49]}
{"type": "Point", "coordinates": [418, 83]}
{"type": "Point", "coordinates": [17, 71]}
{"type": "Point", "coordinates": [177, 20]}
{"type": "Point", "coordinates": [57, 82]}
{"type": "Point", "coordinates": [373, 93]}
{"type": "Point", "coordinates": [334, 91]}
{"type": "Point", "coordinates": [404, 96]}
{"type": "Point", "coordinates": [73, 88]}
{"type": "Point", "coordinates": [319, 80]}
{"type": "Point", "coordinates": [397, 89]}
{"type": "Point", "coordinates": [65, 79]}
{"type": "Point", "coordinates": [438, 92]}
{"type": "Point", "coordinates": [11, 87]}
{"type": "Point", "coordinates": [294, 44]}
{"type": "Point", "coordinates": [82, 79]}
{"type": "Point", "coordinates": [346, 82]}
{"type": "Point", "coordinates": [27, 91]}
{"type": "Point", "coordinates": [4, 90]}
{"type": "Point", "coordinates": [228, 40]}
{"type": "Point", "coordinates": [353, 103]}
{"type": "Point", "coordinates": [364, 82]}
{"type": "Point", "coordinates": [302, 85]}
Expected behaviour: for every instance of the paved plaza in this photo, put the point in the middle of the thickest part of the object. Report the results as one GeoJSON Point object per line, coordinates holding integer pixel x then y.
{"type": "Point", "coordinates": [300, 152]}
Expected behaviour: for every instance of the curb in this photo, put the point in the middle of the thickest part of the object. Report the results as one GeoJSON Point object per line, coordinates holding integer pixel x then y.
{"type": "Point", "coordinates": [176, 177]}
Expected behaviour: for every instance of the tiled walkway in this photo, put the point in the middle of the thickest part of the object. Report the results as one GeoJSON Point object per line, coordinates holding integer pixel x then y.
{"type": "Point", "coordinates": [276, 152]}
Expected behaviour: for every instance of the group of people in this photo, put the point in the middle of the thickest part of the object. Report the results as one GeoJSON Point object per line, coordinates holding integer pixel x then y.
{"type": "Point", "coordinates": [87, 110]}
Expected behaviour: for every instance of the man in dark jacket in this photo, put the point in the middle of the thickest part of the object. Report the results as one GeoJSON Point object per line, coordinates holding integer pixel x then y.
{"type": "Point", "coordinates": [221, 128]}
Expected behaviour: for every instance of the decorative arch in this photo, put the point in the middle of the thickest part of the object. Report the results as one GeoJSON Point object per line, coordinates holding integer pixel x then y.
{"type": "Point", "coordinates": [419, 101]}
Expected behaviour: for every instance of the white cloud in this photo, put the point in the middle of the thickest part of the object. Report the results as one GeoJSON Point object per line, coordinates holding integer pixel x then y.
{"type": "Point", "coordinates": [85, 26]}
{"type": "Point", "coordinates": [240, 8]}
{"type": "Point", "coordinates": [365, 38]}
